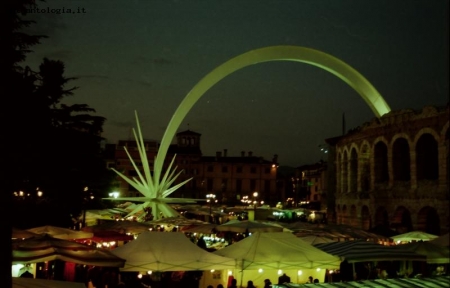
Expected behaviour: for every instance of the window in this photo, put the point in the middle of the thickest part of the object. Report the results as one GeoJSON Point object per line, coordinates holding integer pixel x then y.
{"type": "Point", "coordinates": [210, 168]}
{"type": "Point", "coordinates": [267, 170]}
{"type": "Point", "coordinates": [253, 170]}
{"type": "Point", "coordinates": [239, 169]}
{"type": "Point", "coordinates": [224, 169]}
{"type": "Point", "coordinates": [252, 184]}
{"type": "Point", "coordinates": [209, 184]}
{"type": "Point", "coordinates": [238, 185]}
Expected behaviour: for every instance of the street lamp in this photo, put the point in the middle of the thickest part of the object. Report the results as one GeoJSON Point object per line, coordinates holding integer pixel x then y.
{"type": "Point", "coordinates": [210, 198]}
{"type": "Point", "coordinates": [255, 202]}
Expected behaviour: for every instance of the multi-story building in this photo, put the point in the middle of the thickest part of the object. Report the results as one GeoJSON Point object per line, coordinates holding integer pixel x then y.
{"type": "Point", "coordinates": [311, 184]}
{"type": "Point", "coordinates": [229, 178]}
{"type": "Point", "coordinates": [393, 171]}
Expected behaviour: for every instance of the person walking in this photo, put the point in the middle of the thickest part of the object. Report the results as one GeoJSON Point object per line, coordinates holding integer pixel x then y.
{"type": "Point", "coordinates": [284, 279]}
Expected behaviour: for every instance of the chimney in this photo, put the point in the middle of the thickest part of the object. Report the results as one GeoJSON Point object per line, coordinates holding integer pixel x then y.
{"type": "Point", "coordinates": [242, 153]}
{"type": "Point", "coordinates": [218, 155]}
{"type": "Point", "coordinates": [275, 158]}
{"type": "Point", "coordinates": [250, 153]}
{"type": "Point", "coordinates": [225, 152]}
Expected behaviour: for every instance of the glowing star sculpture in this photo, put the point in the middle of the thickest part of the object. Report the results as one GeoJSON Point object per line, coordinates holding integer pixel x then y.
{"type": "Point", "coordinates": [154, 189]}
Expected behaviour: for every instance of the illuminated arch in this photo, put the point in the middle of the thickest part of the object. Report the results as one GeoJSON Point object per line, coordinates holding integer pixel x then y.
{"type": "Point", "coordinates": [273, 53]}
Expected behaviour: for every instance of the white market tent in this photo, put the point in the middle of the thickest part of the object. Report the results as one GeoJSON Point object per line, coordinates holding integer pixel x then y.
{"type": "Point", "coordinates": [278, 250]}
{"type": "Point", "coordinates": [168, 251]}
{"type": "Point", "coordinates": [264, 254]}
{"type": "Point", "coordinates": [414, 236]}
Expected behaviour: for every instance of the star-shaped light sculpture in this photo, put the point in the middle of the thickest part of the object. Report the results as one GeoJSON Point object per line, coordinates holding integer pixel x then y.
{"type": "Point", "coordinates": [155, 190]}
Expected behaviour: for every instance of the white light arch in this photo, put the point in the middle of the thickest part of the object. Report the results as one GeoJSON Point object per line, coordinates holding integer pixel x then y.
{"type": "Point", "coordinates": [273, 53]}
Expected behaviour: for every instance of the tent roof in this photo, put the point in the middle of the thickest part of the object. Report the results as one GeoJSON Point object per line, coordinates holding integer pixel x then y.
{"type": "Point", "coordinates": [277, 250]}
{"type": "Point", "coordinates": [46, 248]}
{"type": "Point", "coordinates": [168, 251]}
{"type": "Point", "coordinates": [362, 251]}
{"type": "Point", "coordinates": [414, 236]}
{"type": "Point", "coordinates": [434, 253]}
{"type": "Point", "coordinates": [60, 232]}
{"type": "Point", "coordinates": [434, 282]}
{"type": "Point", "coordinates": [443, 240]}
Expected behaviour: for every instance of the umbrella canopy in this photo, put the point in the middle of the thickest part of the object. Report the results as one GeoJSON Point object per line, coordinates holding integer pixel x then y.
{"type": "Point", "coordinates": [44, 283]}
{"type": "Point", "coordinates": [363, 251]}
{"type": "Point", "coordinates": [248, 226]}
{"type": "Point", "coordinates": [121, 226]}
{"type": "Point", "coordinates": [277, 250]}
{"type": "Point", "coordinates": [435, 254]}
{"type": "Point", "coordinates": [22, 234]}
{"type": "Point", "coordinates": [206, 228]}
{"type": "Point", "coordinates": [443, 240]}
{"type": "Point", "coordinates": [168, 251]}
{"type": "Point", "coordinates": [60, 233]}
{"type": "Point", "coordinates": [46, 248]}
{"type": "Point", "coordinates": [414, 236]}
{"type": "Point", "coordinates": [313, 240]}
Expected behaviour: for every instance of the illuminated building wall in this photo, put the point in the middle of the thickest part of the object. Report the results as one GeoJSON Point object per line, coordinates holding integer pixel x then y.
{"type": "Point", "coordinates": [228, 177]}
{"type": "Point", "coordinates": [394, 171]}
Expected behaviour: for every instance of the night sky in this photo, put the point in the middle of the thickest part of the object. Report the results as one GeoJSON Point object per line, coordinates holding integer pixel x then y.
{"type": "Point", "coordinates": [147, 55]}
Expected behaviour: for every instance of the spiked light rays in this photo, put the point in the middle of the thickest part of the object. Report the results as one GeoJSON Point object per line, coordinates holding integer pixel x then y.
{"type": "Point", "coordinates": [154, 189]}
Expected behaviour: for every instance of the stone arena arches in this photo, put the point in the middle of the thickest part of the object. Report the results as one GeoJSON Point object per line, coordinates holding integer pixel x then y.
{"type": "Point", "coordinates": [274, 53]}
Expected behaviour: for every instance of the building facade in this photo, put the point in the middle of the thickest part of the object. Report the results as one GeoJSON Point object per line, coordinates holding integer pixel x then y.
{"type": "Point", "coordinates": [228, 178]}
{"type": "Point", "coordinates": [393, 171]}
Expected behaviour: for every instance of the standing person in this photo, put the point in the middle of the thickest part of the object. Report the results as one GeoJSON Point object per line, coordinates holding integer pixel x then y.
{"type": "Point", "coordinates": [267, 283]}
{"type": "Point", "coordinates": [310, 279]}
{"type": "Point", "coordinates": [284, 279]}
{"type": "Point", "coordinates": [250, 284]}
{"type": "Point", "coordinates": [233, 283]}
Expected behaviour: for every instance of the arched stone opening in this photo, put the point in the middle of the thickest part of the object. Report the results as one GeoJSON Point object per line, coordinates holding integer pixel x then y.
{"type": "Point", "coordinates": [428, 221]}
{"type": "Point", "coordinates": [401, 160]}
{"type": "Point", "coordinates": [338, 214]}
{"type": "Point", "coordinates": [381, 217]}
{"type": "Point", "coordinates": [402, 222]}
{"type": "Point", "coordinates": [353, 221]}
{"type": "Point", "coordinates": [344, 217]}
{"type": "Point", "coordinates": [365, 168]}
{"type": "Point", "coordinates": [365, 218]}
{"type": "Point", "coordinates": [427, 158]}
{"type": "Point", "coordinates": [344, 174]}
{"type": "Point", "coordinates": [353, 170]}
{"type": "Point", "coordinates": [381, 163]}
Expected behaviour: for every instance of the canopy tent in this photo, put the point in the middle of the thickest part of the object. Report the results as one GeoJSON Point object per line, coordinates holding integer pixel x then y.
{"type": "Point", "coordinates": [60, 233]}
{"type": "Point", "coordinates": [206, 228]}
{"type": "Point", "coordinates": [168, 251]}
{"type": "Point", "coordinates": [21, 234]}
{"type": "Point", "coordinates": [414, 236]}
{"type": "Point", "coordinates": [434, 282]}
{"type": "Point", "coordinates": [277, 250]}
{"type": "Point", "coordinates": [44, 283]}
{"type": "Point", "coordinates": [313, 240]}
{"type": "Point", "coordinates": [435, 254]}
{"type": "Point", "coordinates": [120, 226]}
{"type": "Point", "coordinates": [248, 226]}
{"type": "Point", "coordinates": [443, 240]}
{"type": "Point", "coordinates": [333, 231]}
{"type": "Point", "coordinates": [364, 251]}
{"type": "Point", "coordinates": [46, 248]}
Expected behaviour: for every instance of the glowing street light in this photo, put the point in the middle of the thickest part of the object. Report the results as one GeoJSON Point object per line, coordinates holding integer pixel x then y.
{"type": "Point", "coordinates": [210, 198]}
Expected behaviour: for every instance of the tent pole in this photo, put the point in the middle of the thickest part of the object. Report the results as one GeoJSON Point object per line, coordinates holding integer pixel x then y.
{"type": "Point", "coordinates": [242, 272]}
{"type": "Point", "coordinates": [353, 265]}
